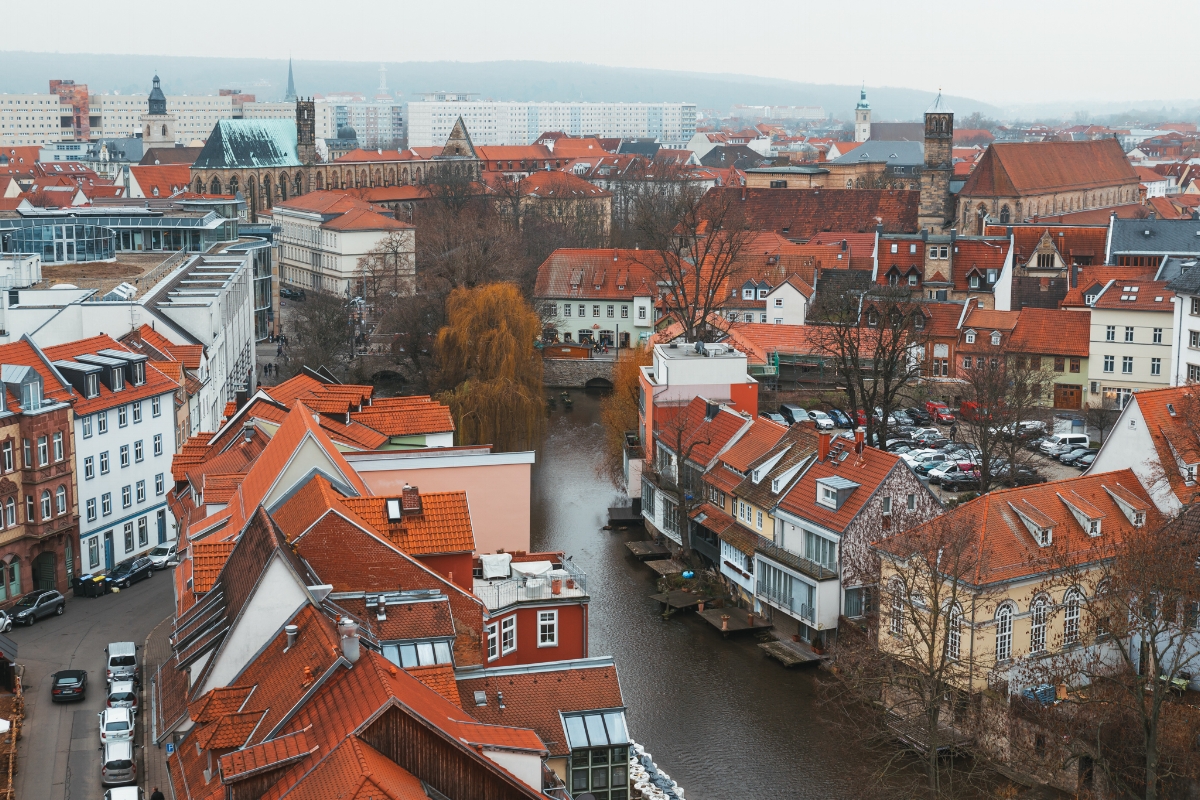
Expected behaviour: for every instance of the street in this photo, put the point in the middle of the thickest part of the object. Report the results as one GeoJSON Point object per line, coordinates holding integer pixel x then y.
{"type": "Point", "coordinates": [59, 753]}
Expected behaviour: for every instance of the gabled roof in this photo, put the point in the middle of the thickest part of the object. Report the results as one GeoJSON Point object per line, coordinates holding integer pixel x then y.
{"type": "Point", "coordinates": [156, 382]}
{"type": "Point", "coordinates": [250, 144]}
{"type": "Point", "coordinates": [868, 470]}
{"type": "Point", "coordinates": [795, 447]}
{"type": "Point", "coordinates": [599, 273]}
{"type": "Point", "coordinates": [762, 435]}
{"type": "Point", "coordinates": [702, 437]}
{"type": "Point", "coordinates": [557, 185]}
{"type": "Point", "coordinates": [1047, 331]}
{"type": "Point", "coordinates": [1073, 242]}
{"type": "Point", "coordinates": [1032, 168]}
{"type": "Point", "coordinates": [802, 213]}
{"type": "Point", "coordinates": [1137, 295]}
{"type": "Point", "coordinates": [1172, 422]}
{"type": "Point", "coordinates": [161, 180]}
{"type": "Point", "coordinates": [998, 524]}
{"type": "Point", "coordinates": [443, 524]}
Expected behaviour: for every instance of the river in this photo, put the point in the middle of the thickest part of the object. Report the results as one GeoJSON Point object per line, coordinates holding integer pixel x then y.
{"type": "Point", "coordinates": [719, 717]}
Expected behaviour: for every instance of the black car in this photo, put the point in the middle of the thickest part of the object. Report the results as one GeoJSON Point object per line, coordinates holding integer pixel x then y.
{"type": "Point", "coordinates": [840, 418]}
{"type": "Point", "coordinates": [961, 481]}
{"type": "Point", "coordinates": [902, 418]}
{"type": "Point", "coordinates": [129, 573]}
{"type": "Point", "coordinates": [933, 442]}
{"type": "Point", "coordinates": [918, 415]}
{"type": "Point", "coordinates": [68, 684]}
{"type": "Point", "coordinates": [1073, 457]}
{"type": "Point", "coordinates": [36, 605]}
{"type": "Point", "coordinates": [893, 445]}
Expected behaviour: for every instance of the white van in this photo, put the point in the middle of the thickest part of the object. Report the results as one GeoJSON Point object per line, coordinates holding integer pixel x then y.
{"type": "Point", "coordinates": [1059, 440]}
{"type": "Point", "coordinates": [122, 662]}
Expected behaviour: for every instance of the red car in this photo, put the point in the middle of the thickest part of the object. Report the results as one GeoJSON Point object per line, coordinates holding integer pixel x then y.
{"type": "Point", "coordinates": [861, 417]}
{"type": "Point", "coordinates": [939, 411]}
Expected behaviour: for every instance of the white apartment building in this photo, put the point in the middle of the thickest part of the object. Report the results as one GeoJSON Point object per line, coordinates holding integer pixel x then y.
{"type": "Point", "coordinates": [286, 109]}
{"type": "Point", "coordinates": [124, 443]}
{"type": "Point", "coordinates": [33, 119]}
{"type": "Point", "coordinates": [491, 122]}
{"type": "Point", "coordinates": [1132, 338]}
{"type": "Point", "coordinates": [322, 236]}
{"type": "Point", "coordinates": [195, 115]}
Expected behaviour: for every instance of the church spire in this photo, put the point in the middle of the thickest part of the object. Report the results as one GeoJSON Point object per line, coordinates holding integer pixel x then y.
{"type": "Point", "coordinates": [291, 90]}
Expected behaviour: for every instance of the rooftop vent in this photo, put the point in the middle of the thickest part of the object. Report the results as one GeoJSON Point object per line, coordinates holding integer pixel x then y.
{"type": "Point", "coordinates": [481, 698]}
{"type": "Point", "coordinates": [292, 632]}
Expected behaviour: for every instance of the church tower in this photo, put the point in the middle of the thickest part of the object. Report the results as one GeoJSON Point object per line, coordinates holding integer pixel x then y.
{"type": "Point", "coordinates": [306, 130]}
{"type": "Point", "coordinates": [291, 90]}
{"type": "Point", "coordinates": [158, 127]}
{"type": "Point", "coordinates": [862, 118]}
{"type": "Point", "coordinates": [935, 209]}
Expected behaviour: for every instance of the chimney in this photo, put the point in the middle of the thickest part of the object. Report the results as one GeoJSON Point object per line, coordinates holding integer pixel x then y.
{"type": "Point", "coordinates": [410, 500]}
{"type": "Point", "coordinates": [823, 440]}
{"type": "Point", "coordinates": [248, 431]}
{"type": "Point", "coordinates": [348, 630]}
{"type": "Point", "coordinates": [859, 435]}
{"type": "Point", "coordinates": [925, 235]}
{"type": "Point", "coordinates": [380, 609]}
{"type": "Point", "coordinates": [953, 235]}
{"type": "Point", "coordinates": [711, 410]}
{"type": "Point", "coordinates": [292, 632]}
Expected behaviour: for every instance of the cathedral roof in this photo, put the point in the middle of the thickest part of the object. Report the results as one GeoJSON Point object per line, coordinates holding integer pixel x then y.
{"type": "Point", "coordinates": [250, 143]}
{"type": "Point", "coordinates": [1032, 168]}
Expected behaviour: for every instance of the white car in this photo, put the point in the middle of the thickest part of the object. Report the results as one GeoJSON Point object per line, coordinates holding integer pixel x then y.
{"type": "Point", "coordinates": [124, 793]}
{"type": "Point", "coordinates": [915, 457]}
{"type": "Point", "coordinates": [162, 556]}
{"type": "Point", "coordinates": [953, 468]}
{"type": "Point", "coordinates": [116, 725]}
{"type": "Point", "coordinates": [823, 420]}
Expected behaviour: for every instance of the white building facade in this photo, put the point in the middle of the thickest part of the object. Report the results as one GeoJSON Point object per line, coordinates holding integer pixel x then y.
{"type": "Point", "coordinates": [491, 122]}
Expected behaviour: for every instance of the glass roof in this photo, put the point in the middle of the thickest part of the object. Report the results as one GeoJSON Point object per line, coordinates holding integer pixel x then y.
{"type": "Point", "coordinates": [596, 729]}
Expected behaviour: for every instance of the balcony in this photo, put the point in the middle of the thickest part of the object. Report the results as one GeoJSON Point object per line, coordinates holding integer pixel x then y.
{"type": "Point", "coordinates": [797, 562]}
{"type": "Point", "coordinates": [570, 581]}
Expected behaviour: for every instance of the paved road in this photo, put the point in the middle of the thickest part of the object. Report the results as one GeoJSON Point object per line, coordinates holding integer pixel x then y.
{"type": "Point", "coordinates": [59, 755]}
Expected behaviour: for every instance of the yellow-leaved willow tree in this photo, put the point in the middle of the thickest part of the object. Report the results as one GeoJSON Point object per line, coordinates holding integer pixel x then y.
{"type": "Point", "coordinates": [487, 357]}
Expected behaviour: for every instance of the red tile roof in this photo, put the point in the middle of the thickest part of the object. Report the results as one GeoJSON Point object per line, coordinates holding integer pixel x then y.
{"type": "Point", "coordinates": [406, 416]}
{"type": "Point", "coordinates": [553, 184]}
{"type": "Point", "coordinates": [868, 469]}
{"type": "Point", "coordinates": [440, 678]}
{"type": "Point", "coordinates": [344, 211]}
{"type": "Point", "coordinates": [755, 442]}
{"type": "Point", "coordinates": [702, 438]}
{"type": "Point", "coordinates": [1135, 295]}
{"type": "Point", "coordinates": [596, 274]}
{"type": "Point", "coordinates": [161, 180]}
{"type": "Point", "coordinates": [156, 382]}
{"type": "Point", "coordinates": [803, 213]}
{"type": "Point", "coordinates": [442, 526]}
{"type": "Point", "coordinates": [1073, 242]}
{"type": "Point", "coordinates": [356, 771]}
{"type": "Point", "coordinates": [1002, 546]}
{"type": "Point", "coordinates": [1174, 434]}
{"type": "Point", "coordinates": [1032, 168]}
{"type": "Point", "coordinates": [1097, 277]}
{"type": "Point", "coordinates": [1049, 331]}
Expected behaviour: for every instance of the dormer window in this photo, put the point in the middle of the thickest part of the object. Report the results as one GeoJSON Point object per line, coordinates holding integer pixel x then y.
{"type": "Point", "coordinates": [1094, 527]}
{"type": "Point", "coordinates": [747, 294]}
{"type": "Point", "coordinates": [1044, 536]}
{"type": "Point", "coordinates": [93, 385]}
{"type": "Point", "coordinates": [995, 338]}
{"type": "Point", "coordinates": [31, 396]}
{"type": "Point", "coordinates": [137, 373]}
{"type": "Point", "coordinates": [1139, 519]}
{"type": "Point", "coordinates": [973, 281]}
{"type": "Point", "coordinates": [827, 496]}
{"type": "Point", "coordinates": [970, 337]}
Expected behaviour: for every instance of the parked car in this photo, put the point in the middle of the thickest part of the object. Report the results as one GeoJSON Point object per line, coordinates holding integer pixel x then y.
{"type": "Point", "coordinates": [38, 604]}
{"type": "Point", "coordinates": [6, 622]}
{"type": "Point", "coordinates": [1024, 476]}
{"type": "Point", "coordinates": [130, 572]}
{"type": "Point", "coordinates": [1076, 454]}
{"type": "Point", "coordinates": [125, 793]}
{"type": "Point", "coordinates": [962, 481]}
{"type": "Point", "coordinates": [920, 455]}
{"type": "Point", "coordinates": [765, 414]}
{"type": "Point", "coordinates": [840, 418]}
{"type": "Point", "coordinates": [122, 694]}
{"type": "Point", "coordinates": [793, 413]}
{"type": "Point", "coordinates": [951, 469]}
{"type": "Point", "coordinates": [1083, 462]}
{"type": "Point", "coordinates": [1060, 440]}
{"type": "Point", "coordinates": [891, 444]}
{"type": "Point", "coordinates": [939, 411]}
{"type": "Point", "coordinates": [939, 462]}
{"type": "Point", "coordinates": [164, 555]}
{"type": "Point", "coordinates": [934, 442]}
{"type": "Point", "coordinates": [116, 725]}
{"type": "Point", "coordinates": [118, 766]}
{"type": "Point", "coordinates": [121, 662]}
{"type": "Point", "coordinates": [918, 415]}
{"type": "Point", "coordinates": [823, 420]}
{"type": "Point", "coordinates": [1035, 444]}
{"type": "Point", "coordinates": [878, 414]}
{"type": "Point", "coordinates": [902, 418]}
{"type": "Point", "coordinates": [861, 416]}
{"type": "Point", "coordinates": [68, 684]}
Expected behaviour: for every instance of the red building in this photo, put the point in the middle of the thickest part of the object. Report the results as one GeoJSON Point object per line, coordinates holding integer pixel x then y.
{"type": "Point", "coordinates": [537, 608]}
{"type": "Point", "coordinates": [76, 95]}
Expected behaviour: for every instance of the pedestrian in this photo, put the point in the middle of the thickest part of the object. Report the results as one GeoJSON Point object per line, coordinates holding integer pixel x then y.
{"type": "Point", "coordinates": [278, 350]}
{"type": "Point", "coordinates": [157, 795]}
{"type": "Point", "coordinates": [953, 431]}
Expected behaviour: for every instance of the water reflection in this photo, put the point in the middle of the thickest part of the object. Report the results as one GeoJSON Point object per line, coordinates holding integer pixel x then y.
{"type": "Point", "coordinates": [719, 717]}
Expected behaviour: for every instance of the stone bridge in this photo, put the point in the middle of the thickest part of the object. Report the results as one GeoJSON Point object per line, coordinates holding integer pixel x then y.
{"type": "Point", "coordinates": [578, 373]}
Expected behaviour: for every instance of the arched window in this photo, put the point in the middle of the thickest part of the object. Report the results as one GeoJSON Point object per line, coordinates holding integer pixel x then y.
{"type": "Point", "coordinates": [10, 512]}
{"type": "Point", "coordinates": [46, 512]}
{"type": "Point", "coordinates": [233, 185]}
{"type": "Point", "coordinates": [1004, 618]}
{"type": "Point", "coordinates": [896, 613]}
{"type": "Point", "coordinates": [404, 176]}
{"type": "Point", "coordinates": [320, 181]}
{"type": "Point", "coordinates": [14, 577]}
{"type": "Point", "coordinates": [297, 186]}
{"type": "Point", "coordinates": [1004, 215]}
{"type": "Point", "coordinates": [215, 186]}
{"type": "Point", "coordinates": [1037, 625]}
{"type": "Point", "coordinates": [1071, 617]}
{"type": "Point", "coordinates": [1101, 614]}
{"type": "Point", "coordinates": [954, 634]}
{"type": "Point", "coordinates": [283, 187]}
{"type": "Point", "coordinates": [164, 131]}
{"type": "Point", "coordinates": [199, 187]}
{"type": "Point", "coordinates": [60, 500]}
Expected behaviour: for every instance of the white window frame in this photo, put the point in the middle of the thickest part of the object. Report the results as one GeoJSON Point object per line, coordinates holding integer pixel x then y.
{"type": "Point", "coordinates": [492, 636]}
{"type": "Point", "coordinates": [508, 635]}
{"type": "Point", "coordinates": [548, 628]}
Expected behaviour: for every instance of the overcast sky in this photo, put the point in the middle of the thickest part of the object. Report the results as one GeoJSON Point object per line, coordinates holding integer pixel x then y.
{"type": "Point", "coordinates": [1017, 51]}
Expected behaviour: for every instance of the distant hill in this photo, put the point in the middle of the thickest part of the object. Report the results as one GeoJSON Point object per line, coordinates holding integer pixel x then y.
{"type": "Point", "coordinates": [499, 80]}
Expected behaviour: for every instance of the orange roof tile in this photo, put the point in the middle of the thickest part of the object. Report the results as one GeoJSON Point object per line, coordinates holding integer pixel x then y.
{"type": "Point", "coordinates": [443, 526]}
{"type": "Point", "coordinates": [218, 702]}
{"type": "Point", "coordinates": [208, 559]}
{"type": "Point", "coordinates": [230, 730]}
{"type": "Point", "coordinates": [1031, 168]}
{"type": "Point", "coordinates": [761, 437]}
{"type": "Point", "coordinates": [440, 678]}
{"type": "Point", "coordinates": [868, 469]}
{"type": "Point", "coordinates": [1137, 295]}
{"type": "Point", "coordinates": [1049, 331]}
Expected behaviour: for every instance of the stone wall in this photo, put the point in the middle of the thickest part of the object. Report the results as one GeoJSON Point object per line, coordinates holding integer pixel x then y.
{"type": "Point", "coordinates": [576, 373]}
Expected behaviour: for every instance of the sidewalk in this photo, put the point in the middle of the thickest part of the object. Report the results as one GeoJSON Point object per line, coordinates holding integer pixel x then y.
{"type": "Point", "coordinates": [156, 651]}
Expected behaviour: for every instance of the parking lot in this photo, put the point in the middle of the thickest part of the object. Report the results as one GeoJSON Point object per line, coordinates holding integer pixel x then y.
{"type": "Point", "coordinates": [59, 753]}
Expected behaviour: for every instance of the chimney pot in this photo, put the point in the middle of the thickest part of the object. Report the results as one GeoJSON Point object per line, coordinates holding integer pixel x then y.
{"type": "Point", "coordinates": [292, 632]}
{"type": "Point", "coordinates": [859, 439]}
{"type": "Point", "coordinates": [348, 629]}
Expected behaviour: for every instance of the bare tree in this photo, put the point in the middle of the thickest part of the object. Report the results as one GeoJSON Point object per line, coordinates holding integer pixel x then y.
{"type": "Point", "coordinates": [695, 242]}
{"type": "Point", "coordinates": [388, 271]}
{"type": "Point", "coordinates": [1002, 393]}
{"type": "Point", "coordinates": [1101, 418]}
{"type": "Point", "coordinates": [322, 336]}
{"type": "Point", "coordinates": [908, 676]}
{"type": "Point", "coordinates": [874, 339]}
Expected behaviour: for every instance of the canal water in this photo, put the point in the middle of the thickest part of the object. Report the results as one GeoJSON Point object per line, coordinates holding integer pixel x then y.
{"type": "Point", "coordinates": [719, 717]}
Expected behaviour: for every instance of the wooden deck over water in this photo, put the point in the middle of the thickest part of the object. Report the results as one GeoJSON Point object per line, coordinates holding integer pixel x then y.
{"type": "Point", "coordinates": [644, 550]}
{"type": "Point", "coordinates": [790, 654]}
{"type": "Point", "coordinates": [740, 620]}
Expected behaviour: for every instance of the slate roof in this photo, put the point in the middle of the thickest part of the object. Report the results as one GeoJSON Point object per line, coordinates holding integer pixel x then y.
{"type": "Point", "coordinates": [250, 144]}
{"type": "Point", "coordinates": [1033, 168]}
{"type": "Point", "coordinates": [895, 132]}
{"type": "Point", "coordinates": [803, 213]}
{"type": "Point", "coordinates": [1155, 236]}
{"type": "Point", "coordinates": [1188, 280]}
{"type": "Point", "coordinates": [893, 153]}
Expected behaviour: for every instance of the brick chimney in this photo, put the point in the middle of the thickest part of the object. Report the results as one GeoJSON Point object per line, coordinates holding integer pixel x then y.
{"type": "Point", "coordinates": [860, 434]}
{"type": "Point", "coordinates": [823, 440]}
{"type": "Point", "coordinates": [410, 500]}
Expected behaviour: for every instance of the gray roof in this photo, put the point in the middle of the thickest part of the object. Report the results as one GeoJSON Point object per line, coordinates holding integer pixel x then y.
{"type": "Point", "coordinates": [897, 132]}
{"type": "Point", "coordinates": [907, 154]}
{"type": "Point", "coordinates": [250, 143]}
{"type": "Point", "coordinates": [1183, 274]}
{"type": "Point", "coordinates": [1156, 236]}
{"type": "Point", "coordinates": [938, 106]}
